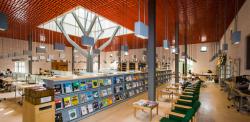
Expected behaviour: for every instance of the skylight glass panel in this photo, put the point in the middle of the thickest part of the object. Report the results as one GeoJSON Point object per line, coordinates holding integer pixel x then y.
{"type": "Point", "coordinates": [85, 17]}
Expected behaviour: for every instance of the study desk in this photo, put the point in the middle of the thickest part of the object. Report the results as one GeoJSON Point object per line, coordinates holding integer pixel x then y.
{"type": "Point", "coordinates": [20, 86]}
{"type": "Point", "coordinates": [242, 95]}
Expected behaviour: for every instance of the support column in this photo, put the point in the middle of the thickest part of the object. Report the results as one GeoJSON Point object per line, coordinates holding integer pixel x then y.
{"type": "Point", "coordinates": [99, 62]}
{"type": "Point", "coordinates": [73, 59]}
{"type": "Point", "coordinates": [90, 63]}
{"type": "Point", "coordinates": [177, 49]}
{"type": "Point", "coordinates": [185, 50]}
{"type": "Point", "coordinates": [151, 49]}
{"type": "Point", "coordinates": [30, 54]}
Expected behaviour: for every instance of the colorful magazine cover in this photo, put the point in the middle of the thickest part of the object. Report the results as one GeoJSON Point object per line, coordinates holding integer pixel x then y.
{"type": "Point", "coordinates": [105, 102]}
{"type": "Point", "coordinates": [95, 105]}
{"type": "Point", "coordinates": [109, 100]}
{"type": "Point", "coordinates": [76, 86]}
{"type": "Point", "coordinates": [104, 93]}
{"type": "Point", "coordinates": [58, 103]}
{"type": "Point", "coordinates": [101, 82]}
{"type": "Point", "coordinates": [67, 102]}
{"type": "Point", "coordinates": [58, 89]}
{"type": "Point", "coordinates": [95, 94]}
{"type": "Point", "coordinates": [89, 84]}
{"type": "Point", "coordinates": [109, 90]}
{"type": "Point", "coordinates": [74, 100]}
{"type": "Point", "coordinates": [89, 95]}
{"type": "Point", "coordinates": [72, 114]}
{"type": "Point", "coordinates": [67, 87]}
{"type": "Point", "coordinates": [83, 98]}
{"type": "Point", "coordinates": [90, 108]}
{"type": "Point", "coordinates": [84, 110]}
{"type": "Point", "coordinates": [95, 84]}
{"type": "Point", "coordinates": [83, 85]}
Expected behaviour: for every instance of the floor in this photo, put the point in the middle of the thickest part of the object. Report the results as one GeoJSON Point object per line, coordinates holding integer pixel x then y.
{"type": "Point", "coordinates": [213, 109]}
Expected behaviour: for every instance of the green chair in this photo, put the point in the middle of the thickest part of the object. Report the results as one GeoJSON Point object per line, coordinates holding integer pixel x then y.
{"type": "Point", "coordinates": [173, 117]}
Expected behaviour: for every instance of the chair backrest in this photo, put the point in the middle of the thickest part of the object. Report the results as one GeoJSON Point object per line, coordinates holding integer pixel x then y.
{"type": "Point", "coordinates": [188, 115]}
{"type": "Point", "coordinates": [196, 106]}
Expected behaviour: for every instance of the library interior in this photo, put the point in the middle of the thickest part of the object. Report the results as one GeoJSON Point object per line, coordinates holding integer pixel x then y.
{"type": "Point", "coordinates": [124, 60]}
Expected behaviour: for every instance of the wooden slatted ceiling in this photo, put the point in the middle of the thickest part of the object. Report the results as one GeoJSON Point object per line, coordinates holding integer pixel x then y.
{"type": "Point", "coordinates": [202, 15]}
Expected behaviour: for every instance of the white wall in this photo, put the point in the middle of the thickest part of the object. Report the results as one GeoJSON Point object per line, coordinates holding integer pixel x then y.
{"type": "Point", "coordinates": [239, 51]}
{"type": "Point", "coordinates": [8, 45]}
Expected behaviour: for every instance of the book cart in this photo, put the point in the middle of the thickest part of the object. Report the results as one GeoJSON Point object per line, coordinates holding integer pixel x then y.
{"type": "Point", "coordinates": [76, 99]}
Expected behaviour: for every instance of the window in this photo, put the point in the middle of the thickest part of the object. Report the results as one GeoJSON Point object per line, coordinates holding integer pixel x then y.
{"type": "Point", "coordinates": [20, 66]}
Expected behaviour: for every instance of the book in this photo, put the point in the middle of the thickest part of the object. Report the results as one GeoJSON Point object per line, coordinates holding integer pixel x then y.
{"type": "Point", "coordinates": [84, 110]}
{"type": "Point", "coordinates": [95, 94]}
{"type": "Point", "coordinates": [67, 87]}
{"type": "Point", "coordinates": [95, 105]}
{"type": "Point", "coordinates": [83, 85]}
{"type": "Point", "coordinates": [72, 114]}
{"type": "Point", "coordinates": [83, 98]}
{"type": "Point", "coordinates": [66, 102]}
{"type": "Point", "coordinates": [58, 103]}
{"type": "Point", "coordinates": [57, 89]}
{"type": "Point", "coordinates": [89, 84]}
{"type": "Point", "coordinates": [76, 86]}
{"type": "Point", "coordinates": [95, 84]}
{"type": "Point", "coordinates": [101, 82]}
{"type": "Point", "coordinates": [58, 117]}
{"type": "Point", "coordinates": [90, 108]}
{"type": "Point", "coordinates": [89, 95]}
{"type": "Point", "coordinates": [74, 100]}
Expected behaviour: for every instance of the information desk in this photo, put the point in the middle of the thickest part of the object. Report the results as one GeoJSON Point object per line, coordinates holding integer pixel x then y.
{"type": "Point", "coordinates": [79, 97]}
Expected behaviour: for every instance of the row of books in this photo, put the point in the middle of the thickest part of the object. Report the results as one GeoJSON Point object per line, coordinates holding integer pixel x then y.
{"type": "Point", "coordinates": [85, 109]}
{"type": "Point", "coordinates": [82, 85]}
{"type": "Point", "coordinates": [83, 97]}
{"type": "Point", "coordinates": [135, 91]}
{"type": "Point", "coordinates": [134, 84]}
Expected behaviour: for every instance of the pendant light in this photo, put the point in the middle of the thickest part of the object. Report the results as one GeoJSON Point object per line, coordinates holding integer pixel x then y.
{"type": "Point", "coordinates": [165, 41]}
{"type": "Point", "coordinates": [236, 35]}
{"type": "Point", "coordinates": [225, 45]}
{"type": "Point", "coordinates": [141, 29]}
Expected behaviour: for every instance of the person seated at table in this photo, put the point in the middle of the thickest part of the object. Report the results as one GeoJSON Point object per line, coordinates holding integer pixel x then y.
{"type": "Point", "coordinates": [1, 73]}
{"type": "Point", "coordinates": [8, 73]}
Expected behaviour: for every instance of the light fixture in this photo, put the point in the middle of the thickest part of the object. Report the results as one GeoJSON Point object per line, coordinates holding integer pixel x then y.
{"type": "Point", "coordinates": [203, 38]}
{"type": "Point", "coordinates": [173, 50]}
{"type": "Point", "coordinates": [165, 41]}
{"type": "Point", "coordinates": [203, 49]}
{"type": "Point", "coordinates": [166, 44]}
{"type": "Point", "coordinates": [59, 46]}
{"type": "Point", "coordinates": [42, 46]}
{"type": "Point", "coordinates": [236, 37]}
{"type": "Point", "coordinates": [3, 22]}
{"type": "Point", "coordinates": [126, 53]}
{"type": "Point", "coordinates": [141, 29]}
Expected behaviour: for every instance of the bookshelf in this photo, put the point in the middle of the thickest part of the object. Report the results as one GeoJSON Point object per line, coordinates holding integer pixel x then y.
{"type": "Point", "coordinates": [79, 98]}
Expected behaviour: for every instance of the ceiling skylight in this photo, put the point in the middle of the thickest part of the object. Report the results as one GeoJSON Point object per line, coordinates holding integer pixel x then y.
{"type": "Point", "coordinates": [85, 16]}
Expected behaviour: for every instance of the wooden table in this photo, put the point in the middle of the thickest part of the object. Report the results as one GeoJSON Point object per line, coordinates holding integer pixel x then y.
{"type": "Point", "coordinates": [166, 92]}
{"type": "Point", "coordinates": [147, 108]}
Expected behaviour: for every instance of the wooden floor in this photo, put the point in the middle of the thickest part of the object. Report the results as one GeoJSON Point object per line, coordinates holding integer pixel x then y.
{"type": "Point", "coordinates": [213, 109]}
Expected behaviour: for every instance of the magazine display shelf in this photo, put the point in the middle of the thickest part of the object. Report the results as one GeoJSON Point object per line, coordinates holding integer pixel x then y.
{"type": "Point", "coordinates": [78, 98]}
